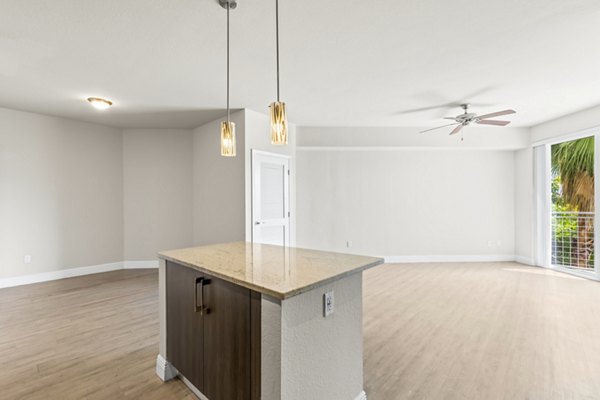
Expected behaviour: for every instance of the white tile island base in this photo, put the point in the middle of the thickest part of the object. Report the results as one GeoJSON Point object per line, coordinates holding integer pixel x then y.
{"type": "Point", "coordinates": [303, 355]}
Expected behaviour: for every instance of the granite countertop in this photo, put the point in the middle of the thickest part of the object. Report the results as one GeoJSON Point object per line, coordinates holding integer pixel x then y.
{"type": "Point", "coordinates": [280, 272]}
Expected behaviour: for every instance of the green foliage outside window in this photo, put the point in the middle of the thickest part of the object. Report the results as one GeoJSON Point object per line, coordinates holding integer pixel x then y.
{"type": "Point", "coordinates": [572, 193]}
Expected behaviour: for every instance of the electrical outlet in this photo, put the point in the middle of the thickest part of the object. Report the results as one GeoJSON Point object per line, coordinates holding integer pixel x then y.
{"type": "Point", "coordinates": [490, 243]}
{"type": "Point", "coordinates": [27, 259]}
{"type": "Point", "coordinates": [328, 304]}
{"type": "Point", "coordinates": [499, 243]}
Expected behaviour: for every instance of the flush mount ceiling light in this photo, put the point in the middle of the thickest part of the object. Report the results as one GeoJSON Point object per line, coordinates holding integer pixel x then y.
{"type": "Point", "coordinates": [228, 127]}
{"type": "Point", "coordinates": [99, 103]}
{"type": "Point", "coordinates": [279, 130]}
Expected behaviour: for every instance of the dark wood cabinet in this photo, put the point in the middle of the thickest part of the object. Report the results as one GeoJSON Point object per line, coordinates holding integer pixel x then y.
{"type": "Point", "coordinates": [185, 344]}
{"type": "Point", "coordinates": [227, 340]}
{"type": "Point", "coordinates": [213, 334]}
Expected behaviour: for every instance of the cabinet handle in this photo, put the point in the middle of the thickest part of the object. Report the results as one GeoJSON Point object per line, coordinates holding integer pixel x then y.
{"type": "Point", "coordinates": [201, 308]}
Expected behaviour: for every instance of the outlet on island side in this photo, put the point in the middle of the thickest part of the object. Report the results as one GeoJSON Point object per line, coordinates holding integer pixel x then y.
{"type": "Point", "coordinates": [328, 303]}
{"type": "Point", "coordinates": [27, 259]}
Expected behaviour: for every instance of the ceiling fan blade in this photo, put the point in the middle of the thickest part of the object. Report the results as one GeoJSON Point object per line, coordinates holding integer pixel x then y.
{"type": "Point", "coordinates": [439, 127]}
{"type": "Point", "coordinates": [452, 118]}
{"type": "Point", "coordinates": [457, 129]}
{"type": "Point", "coordinates": [493, 122]}
{"type": "Point", "coordinates": [496, 114]}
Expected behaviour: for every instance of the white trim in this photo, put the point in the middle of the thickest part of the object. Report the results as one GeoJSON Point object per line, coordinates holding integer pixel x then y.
{"type": "Point", "coordinates": [571, 271]}
{"type": "Point", "coordinates": [596, 204]}
{"type": "Point", "coordinates": [73, 272]}
{"type": "Point", "coordinates": [405, 148]}
{"type": "Point", "coordinates": [361, 396]}
{"type": "Point", "coordinates": [568, 137]}
{"type": "Point", "coordinates": [164, 369]}
{"type": "Point", "coordinates": [449, 258]}
{"type": "Point", "coordinates": [524, 260]}
{"type": "Point", "coordinates": [140, 264]}
{"type": "Point", "coordinates": [268, 153]}
{"type": "Point", "coordinates": [542, 205]}
{"type": "Point", "coordinates": [568, 271]}
{"type": "Point", "coordinates": [60, 274]}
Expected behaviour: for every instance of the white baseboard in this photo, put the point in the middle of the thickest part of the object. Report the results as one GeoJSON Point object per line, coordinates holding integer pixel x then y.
{"type": "Point", "coordinates": [73, 272]}
{"type": "Point", "coordinates": [361, 396]}
{"type": "Point", "coordinates": [60, 274]}
{"type": "Point", "coordinates": [450, 258]}
{"type": "Point", "coordinates": [140, 264]}
{"type": "Point", "coordinates": [524, 260]}
{"type": "Point", "coordinates": [164, 369]}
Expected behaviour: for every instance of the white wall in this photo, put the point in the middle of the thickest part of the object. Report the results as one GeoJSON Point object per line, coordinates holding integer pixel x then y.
{"type": "Point", "coordinates": [76, 194]}
{"type": "Point", "coordinates": [480, 137]}
{"type": "Point", "coordinates": [157, 191]}
{"type": "Point", "coordinates": [524, 210]}
{"type": "Point", "coordinates": [60, 177]}
{"type": "Point", "coordinates": [407, 202]}
{"type": "Point", "coordinates": [219, 186]}
{"type": "Point", "coordinates": [566, 125]}
{"type": "Point", "coordinates": [61, 193]}
{"type": "Point", "coordinates": [258, 137]}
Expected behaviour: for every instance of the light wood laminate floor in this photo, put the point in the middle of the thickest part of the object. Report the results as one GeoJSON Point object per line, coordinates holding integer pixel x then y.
{"type": "Point", "coordinates": [480, 331]}
{"type": "Point", "coordinates": [432, 331]}
{"type": "Point", "coordinates": [91, 337]}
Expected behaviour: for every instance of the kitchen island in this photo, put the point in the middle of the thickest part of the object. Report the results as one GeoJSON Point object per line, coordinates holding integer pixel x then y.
{"type": "Point", "coordinates": [253, 321]}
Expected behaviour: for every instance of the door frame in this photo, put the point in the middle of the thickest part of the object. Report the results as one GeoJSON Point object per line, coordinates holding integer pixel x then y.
{"type": "Point", "coordinates": [547, 214]}
{"type": "Point", "coordinates": [254, 155]}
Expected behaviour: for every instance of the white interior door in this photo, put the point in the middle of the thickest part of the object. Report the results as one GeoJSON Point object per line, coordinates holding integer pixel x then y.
{"type": "Point", "coordinates": [270, 198]}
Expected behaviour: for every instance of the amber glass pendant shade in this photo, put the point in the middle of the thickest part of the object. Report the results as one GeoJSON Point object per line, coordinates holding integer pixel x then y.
{"type": "Point", "coordinates": [227, 139]}
{"type": "Point", "coordinates": [279, 128]}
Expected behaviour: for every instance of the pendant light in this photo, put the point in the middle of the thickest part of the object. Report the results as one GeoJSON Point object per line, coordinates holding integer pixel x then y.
{"type": "Point", "coordinates": [228, 127]}
{"type": "Point", "coordinates": [279, 128]}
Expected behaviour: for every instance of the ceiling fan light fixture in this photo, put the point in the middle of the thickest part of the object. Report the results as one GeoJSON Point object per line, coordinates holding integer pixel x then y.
{"type": "Point", "coordinates": [467, 118]}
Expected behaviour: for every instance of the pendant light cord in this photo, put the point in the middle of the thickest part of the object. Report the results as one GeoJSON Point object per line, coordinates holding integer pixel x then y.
{"type": "Point", "coordinates": [277, 42]}
{"type": "Point", "coordinates": [228, 7]}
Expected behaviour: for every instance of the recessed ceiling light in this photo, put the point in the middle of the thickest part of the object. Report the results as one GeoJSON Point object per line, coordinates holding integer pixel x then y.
{"type": "Point", "coordinates": [99, 103]}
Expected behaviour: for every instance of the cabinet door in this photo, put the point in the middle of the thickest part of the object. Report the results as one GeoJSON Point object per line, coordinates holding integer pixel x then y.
{"type": "Point", "coordinates": [184, 324]}
{"type": "Point", "coordinates": [227, 341]}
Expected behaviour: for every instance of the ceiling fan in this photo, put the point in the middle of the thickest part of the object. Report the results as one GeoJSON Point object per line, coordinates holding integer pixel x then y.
{"type": "Point", "coordinates": [467, 118]}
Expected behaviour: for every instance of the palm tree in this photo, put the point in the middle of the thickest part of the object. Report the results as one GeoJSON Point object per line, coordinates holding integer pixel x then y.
{"type": "Point", "coordinates": [573, 162]}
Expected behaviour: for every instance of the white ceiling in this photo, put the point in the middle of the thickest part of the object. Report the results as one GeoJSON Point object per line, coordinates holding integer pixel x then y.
{"type": "Point", "coordinates": [343, 62]}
